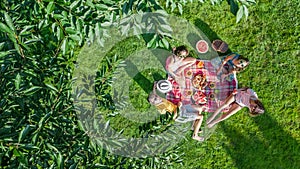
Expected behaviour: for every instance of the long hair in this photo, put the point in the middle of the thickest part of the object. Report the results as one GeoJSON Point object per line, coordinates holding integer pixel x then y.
{"type": "Point", "coordinates": [258, 110]}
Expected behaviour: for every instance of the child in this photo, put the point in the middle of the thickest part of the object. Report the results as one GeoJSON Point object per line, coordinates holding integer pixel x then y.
{"type": "Point", "coordinates": [231, 65]}
{"type": "Point", "coordinates": [163, 105]}
{"type": "Point", "coordinates": [189, 113]}
{"type": "Point", "coordinates": [177, 62]}
{"type": "Point", "coordinates": [244, 97]}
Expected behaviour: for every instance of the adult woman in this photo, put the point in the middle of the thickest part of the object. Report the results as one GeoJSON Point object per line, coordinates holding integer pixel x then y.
{"type": "Point", "coordinates": [177, 62]}
{"type": "Point", "coordinates": [231, 65]}
{"type": "Point", "coordinates": [244, 97]}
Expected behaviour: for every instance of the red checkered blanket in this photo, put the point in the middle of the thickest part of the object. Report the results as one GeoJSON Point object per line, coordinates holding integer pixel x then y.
{"type": "Point", "coordinates": [215, 92]}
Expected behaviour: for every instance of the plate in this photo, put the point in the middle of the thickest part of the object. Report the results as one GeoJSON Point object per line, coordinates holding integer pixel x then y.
{"type": "Point", "coordinates": [202, 46]}
{"type": "Point", "coordinates": [199, 97]}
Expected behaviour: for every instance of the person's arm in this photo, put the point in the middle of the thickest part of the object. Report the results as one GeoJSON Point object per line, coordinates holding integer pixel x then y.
{"type": "Point", "coordinates": [185, 63]}
{"type": "Point", "coordinates": [223, 76]}
{"type": "Point", "coordinates": [154, 87]}
{"type": "Point", "coordinates": [230, 57]}
{"type": "Point", "coordinates": [224, 62]}
{"type": "Point", "coordinates": [169, 64]}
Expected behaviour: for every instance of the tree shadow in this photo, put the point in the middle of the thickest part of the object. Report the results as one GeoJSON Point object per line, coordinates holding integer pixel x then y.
{"type": "Point", "coordinates": [211, 35]}
{"type": "Point", "coordinates": [249, 151]}
{"type": "Point", "coordinates": [136, 75]}
{"type": "Point", "coordinates": [277, 149]}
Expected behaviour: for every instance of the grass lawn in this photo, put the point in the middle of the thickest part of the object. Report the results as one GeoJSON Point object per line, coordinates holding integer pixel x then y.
{"type": "Point", "coordinates": [270, 38]}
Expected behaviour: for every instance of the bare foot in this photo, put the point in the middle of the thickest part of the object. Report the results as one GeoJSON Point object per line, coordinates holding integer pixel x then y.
{"type": "Point", "coordinates": [210, 125]}
{"type": "Point", "coordinates": [198, 138]}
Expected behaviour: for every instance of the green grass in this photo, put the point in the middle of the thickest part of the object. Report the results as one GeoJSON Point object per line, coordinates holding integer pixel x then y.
{"type": "Point", "coordinates": [270, 39]}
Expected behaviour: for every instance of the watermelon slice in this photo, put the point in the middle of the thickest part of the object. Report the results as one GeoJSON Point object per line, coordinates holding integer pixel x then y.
{"type": "Point", "coordinates": [202, 46]}
{"type": "Point", "coordinates": [199, 98]}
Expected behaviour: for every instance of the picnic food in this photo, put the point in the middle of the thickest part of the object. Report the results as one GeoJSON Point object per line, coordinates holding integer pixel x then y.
{"type": "Point", "coordinates": [200, 64]}
{"type": "Point", "coordinates": [212, 96]}
{"type": "Point", "coordinates": [212, 85]}
{"type": "Point", "coordinates": [202, 46]}
{"type": "Point", "coordinates": [199, 81]}
{"type": "Point", "coordinates": [199, 97]}
{"type": "Point", "coordinates": [188, 73]}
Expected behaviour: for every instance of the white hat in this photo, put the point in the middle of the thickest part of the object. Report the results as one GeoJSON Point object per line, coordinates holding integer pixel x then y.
{"type": "Point", "coordinates": [164, 86]}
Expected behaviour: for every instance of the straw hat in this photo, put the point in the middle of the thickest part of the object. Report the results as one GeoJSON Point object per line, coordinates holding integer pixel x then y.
{"type": "Point", "coordinates": [220, 46]}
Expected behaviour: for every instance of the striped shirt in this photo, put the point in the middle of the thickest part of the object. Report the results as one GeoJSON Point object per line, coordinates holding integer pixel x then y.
{"type": "Point", "coordinates": [243, 97]}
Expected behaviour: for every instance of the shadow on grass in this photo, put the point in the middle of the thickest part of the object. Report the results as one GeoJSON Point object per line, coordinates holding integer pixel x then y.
{"type": "Point", "coordinates": [212, 35]}
{"type": "Point", "coordinates": [277, 150]}
{"type": "Point", "coordinates": [134, 73]}
{"type": "Point", "coordinates": [137, 76]}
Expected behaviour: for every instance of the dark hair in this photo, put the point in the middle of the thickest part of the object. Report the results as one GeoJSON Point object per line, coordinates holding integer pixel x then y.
{"type": "Point", "coordinates": [238, 69]}
{"type": "Point", "coordinates": [177, 51]}
{"type": "Point", "coordinates": [259, 109]}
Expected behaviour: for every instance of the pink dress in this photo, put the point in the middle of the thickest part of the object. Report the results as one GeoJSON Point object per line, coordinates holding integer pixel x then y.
{"type": "Point", "coordinates": [243, 97]}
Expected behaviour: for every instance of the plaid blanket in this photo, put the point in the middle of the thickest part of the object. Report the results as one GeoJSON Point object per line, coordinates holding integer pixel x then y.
{"type": "Point", "coordinates": [215, 92]}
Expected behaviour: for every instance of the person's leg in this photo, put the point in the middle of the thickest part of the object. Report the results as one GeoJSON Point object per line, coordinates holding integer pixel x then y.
{"type": "Point", "coordinates": [230, 99]}
{"type": "Point", "coordinates": [193, 127]}
{"type": "Point", "coordinates": [198, 123]}
{"type": "Point", "coordinates": [233, 109]}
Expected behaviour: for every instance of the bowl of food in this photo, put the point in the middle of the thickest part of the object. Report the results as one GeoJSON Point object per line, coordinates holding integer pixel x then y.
{"type": "Point", "coordinates": [199, 81]}
{"type": "Point", "coordinates": [202, 46]}
{"type": "Point", "coordinates": [212, 85]}
{"type": "Point", "coordinates": [188, 73]}
{"type": "Point", "coordinates": [188, 92]}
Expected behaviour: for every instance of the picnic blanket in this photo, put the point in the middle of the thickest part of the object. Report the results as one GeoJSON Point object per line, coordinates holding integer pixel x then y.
{"type": "Point", "coordinates": [216, 91]}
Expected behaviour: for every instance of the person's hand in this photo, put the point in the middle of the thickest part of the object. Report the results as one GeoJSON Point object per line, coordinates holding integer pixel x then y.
{"type": "Point", "coordinates": [179, 104]}
{"type": "Point", "coordinates": [204, 108]}
{"type": "Point", "coordinates": [234, 92]}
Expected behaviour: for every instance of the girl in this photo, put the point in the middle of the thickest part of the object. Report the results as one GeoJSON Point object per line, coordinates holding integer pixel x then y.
{"type": "Point", "coordinates": [177, 62]}
{"type": "Point", "coordinates": [191, 112]}
{"type": "Point", "coordinates": [163, 105]}
{"type": "Point", "coordinates": [231, 65]}
{"type": "Point", "coordinates": [244, 97]}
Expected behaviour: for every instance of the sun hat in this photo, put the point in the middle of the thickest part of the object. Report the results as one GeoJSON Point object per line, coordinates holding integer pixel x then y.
{"type": "Point", "coordinates": [220, 46]}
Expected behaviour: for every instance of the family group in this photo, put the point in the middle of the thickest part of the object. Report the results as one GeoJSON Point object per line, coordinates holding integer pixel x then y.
{"type": "Point", "coordinates": [226, 69]}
